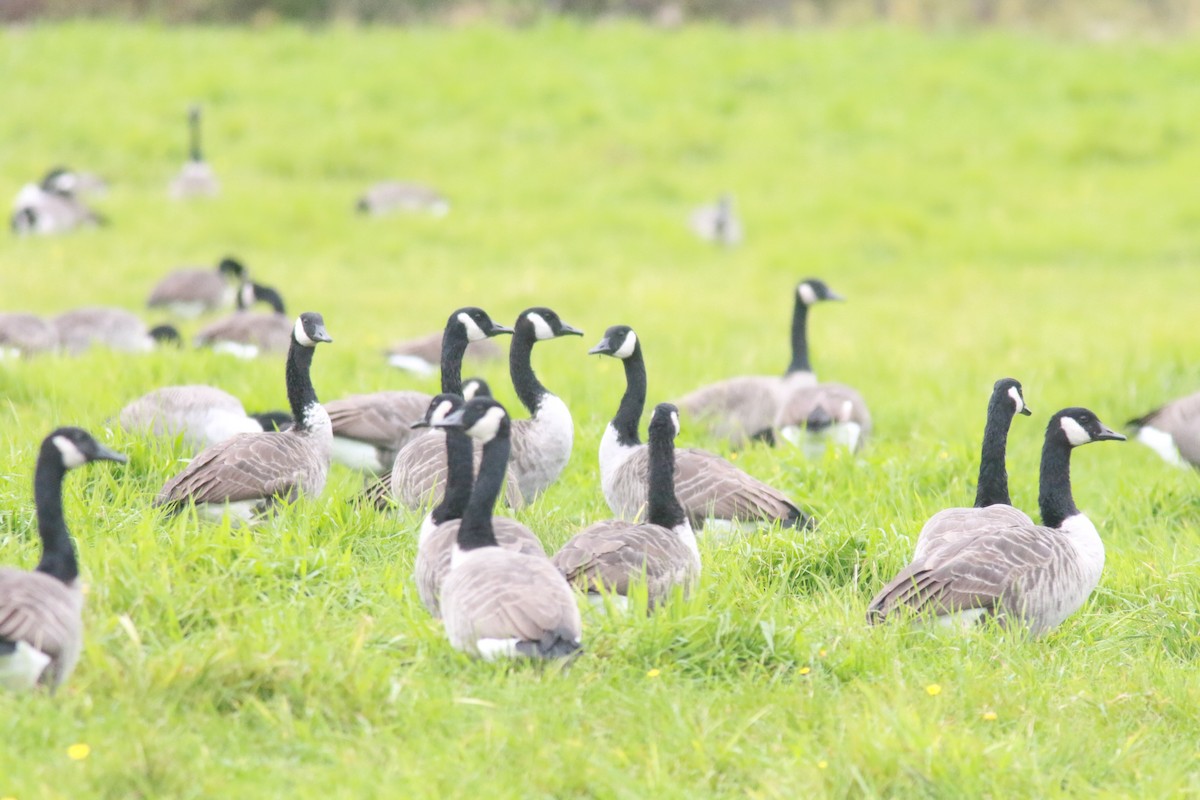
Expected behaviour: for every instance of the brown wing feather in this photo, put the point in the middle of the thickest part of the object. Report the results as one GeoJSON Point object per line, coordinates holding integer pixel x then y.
{"type": "Point", "coordinates": [248, 467]}
{"type": "Point", "coordinates": [433, 555]}
{"type": "Point", "coordinates": [44, 613]}
{"type": "Point", "coordinates": [613, 554]}
{"type": "Point", "coordinates": [419, 472]}
{"type": "Point", "coordinates": [383, 419]}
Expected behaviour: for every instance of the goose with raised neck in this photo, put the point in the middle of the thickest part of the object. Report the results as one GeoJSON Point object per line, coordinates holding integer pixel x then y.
{"type": "Point", "coordinates": [196, 177]}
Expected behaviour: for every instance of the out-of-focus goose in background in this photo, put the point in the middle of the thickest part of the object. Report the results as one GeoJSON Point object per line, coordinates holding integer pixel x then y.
{"type": "Point", "coordinates": [1172, 431]}
{"type": "Point", "coordinates": [196, 178]}
{"type": "Point", "coordinates": [189, 293]}
{"type": "Point", "coordinates": [387, 197]}
{"type": "Point", "coordinates": [23, 335]}
{"type": "Point", "coordinates": [202, 415]}
{"type": "Point", "coordinates": [51, 206]}
{"type": "Point", "coordinates": [114, 328]}
{"type": "Point", "coordinates": [421, 356]}
{"type": "Point", "coordinates": [247, 333]}
{"type": "Point", "coordinates": [829, 414]}
{"type": "Point", "coordinates": [717, 223]}
{"type": "Point", "coordinates": [41, 629]}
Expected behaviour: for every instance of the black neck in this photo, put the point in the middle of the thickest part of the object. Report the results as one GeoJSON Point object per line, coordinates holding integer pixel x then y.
{"type": "Point", "coordinates": [799, 339]}
{"type": "Point", "coordinates": [194, 126]}
{"type": "Point", "coordinates": [58, 554]}
{"type": "Point", "coordinates": [301, 394]}
{"type": "Point", "coordinates": [460, 469]}
{"type": "Point", "coordinates": [633, 402]}
{"type": "Point", "coordinates": [993, 472]}
{"type": "Point", "coordinates": [530, 390]}
{"type": "Point", "coordinates": [476, 531]}
{"type": "Point", "coordinates": [454, 347]}
{"type": "Point", "coordinates": [663, 508]}
{"type": "Point", "coordinates": [265, 294]}
{"type": "Point", "coordinates": [1054, 495]}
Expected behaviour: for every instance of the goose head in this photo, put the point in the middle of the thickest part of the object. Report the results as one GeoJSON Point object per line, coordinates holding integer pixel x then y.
{"type": "Point", "coordinates": [60, 181]}
{"type": "Point", "coordinates": [664, 421]}
{"type": "Point", "coordinates": [77, 447]}
{"type": "Point", "coordinates": [483, 419]}
{"type": "Point", "coordinates": [475, 324]}
{"type": "Point", "coordinates": [310, 329]}
{"type": "Point", "coordinates": [544, 324]}
{"type": "Point", "coordinates": [440, 407]}
{"type": "Point", "coordinates": [619, 342]}
{"type": "Point", "coordinates": [814, 290]}
{"type": "Point", "coordinates": [252, 293]}
{"type": "Point", "coordinates": [1011, 387]}
{"type": "Point", "coordinates": [230, 267]}
{"type": "Point", "coordinates": [476, 387]}
{"type": "Point", "coordinates": [1079, 426]}
{"type": "Point", "coordinates": [166, 334]}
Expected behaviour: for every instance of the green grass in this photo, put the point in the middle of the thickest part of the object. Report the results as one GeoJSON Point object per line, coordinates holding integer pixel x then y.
{"type": "Point", "coordinates": [991, 205]}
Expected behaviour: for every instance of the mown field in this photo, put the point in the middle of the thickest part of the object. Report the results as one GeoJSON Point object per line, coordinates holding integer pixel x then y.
{"type": "Point", "coordinates": [990, 206]}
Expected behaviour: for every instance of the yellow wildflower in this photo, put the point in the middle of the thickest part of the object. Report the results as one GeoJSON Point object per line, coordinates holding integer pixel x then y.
{"type": "Point", "coordinates": [990, 716]}
{"type": "Point", "coordinates": [78, 752]}
{"type": "Point", "coordinates": [654, 673]}
{"type": "Point", "coordinates": [805, 670]}
{"type": "Point", "coordinates": [933, 689]}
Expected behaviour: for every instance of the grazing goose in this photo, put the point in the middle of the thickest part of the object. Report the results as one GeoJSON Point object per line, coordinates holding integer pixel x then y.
{"type": "Point", "coordinates": [114, 328]}
{"type": "Point", "coordinates": [251, 471]}
{"type": "Point", "coordinates": [496, 602]}
{"type": "Point", "coordinates": [439, 529]}
{"type": "Point", "coordinates": [189, 293]}
{"type": "Point", "coordinates": [717, 223]}
{"type": "Point", "coordinates": [370, 429]}
{"type": "Point", "coordinates": [41, 630]}
{"type": "Point", "coordinates": [1034, 575]}
{"type": "Point", "coordinates": [1172, 431]}
{"type": "Point", "coordinates": [609, 557]}
{"type": "Point", "coordinates": [420, 356]}
{"type": "Point", "coordinates": [387, 197]}
{"type": "Point", "coordinates": [743, 408]}
{"type": "Point", "coordinates": [52, 206]}
{"type": "Point", "coordinates": [196, 178]}
{"type": "Point", "coordinates": [246, 333]}
{"type": "Point", "coordinates": [202, 415]}
{"type": "Point", "coordinates": [815, 417]}
{"type": "Point", "coordinates": [24, 335]}
{"type": "Point", "coordinates": [992, 506]}
{"type": "Point", "coordinates": [709, 487]}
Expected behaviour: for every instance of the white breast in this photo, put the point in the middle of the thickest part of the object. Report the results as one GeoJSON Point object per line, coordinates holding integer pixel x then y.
{"type": "Point", "coordinates": [613, 455]}
{"type": "Point", "coordinates": [549, 437]}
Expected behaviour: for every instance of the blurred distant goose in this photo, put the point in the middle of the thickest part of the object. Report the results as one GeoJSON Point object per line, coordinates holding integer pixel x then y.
{"type": "Point", "coordinates": [41, 630]}
{"type": "Point", "coordinates": [249, 472]}
{"type": "Point", "coordinates": [202, 415]}
{"type": "Point", "coordinates": [196, 178]}
{"type": "Point", "coordinates": [191, 292]}
{"type": "Point", "coordinates": [387, 197]}
{"type": "Point", "coordinates": [114, 328]}
{"type": "Point", "coordinates": [420, 356]}
{"type": "Point", "coordinates": [1172, 431]}
{"type": "Point", "coordinates": [496, 602]}
{"type": "Point", "coordinates": [814, 417]}
{"type": "Point", "coordinates": [1030, 575]}
{"type": "Point", "coordinates": [743, 408]}
{"type": "Point", "coordinates": [247, 333]}
{"type": "Point", "coordinates": [709, 487]}
{"type": "Point", "coordinates": [993, 507]}
{"type": "Point", "coordinates": [717, 223]}
{"type": "Point", "coordinates": [439, 529]}
{"type": "Point", "coordinates": [51, 206]}
{"type": "Point", "coordinates": [609, 557]}
{"type": "Point", "coordinates": [23, 335]}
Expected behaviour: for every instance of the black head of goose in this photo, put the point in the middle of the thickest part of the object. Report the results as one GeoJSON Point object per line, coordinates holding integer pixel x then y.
{"type": "Point", "coordinates": [1032, 575]}
{"type": "Point", "coordinates": [41, 632]}
{"type": "Point", "coordinates": [992, 504]}
{"type": "Point", "coordinates": [191, 292]}
{"type": "Point", "coordinates": [609, 557]}
{"type": "Point", "coordinates": [712, 490]}
{"type": "Point", "coordinates": [196, 178]}
{"type": "Point", "coordinates": [496, 602]}
{"type": "Point", "coordinates": [249, 472]}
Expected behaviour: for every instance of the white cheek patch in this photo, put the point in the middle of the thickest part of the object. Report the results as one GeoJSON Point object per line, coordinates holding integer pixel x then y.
{"type": "Point", "coordinates": [486, 426]}
{"type": "Point", "coordinates": [442, 411]}
{"type": "Point", "coordinates": [474, 332]}
{"type": "Point", "coordinates": [627, 347]}
{"type": "Point", "coordinates": [1076, 435]}
{"type": "Point", "coordinates": [808, 296]}
{"type": "Point", "coordinates": [675, 421]}
{"type": "Point", "coordinates": [72, 456]}
{"type": "Point", "coordinates": [1016, 398]}
{"type": "Point", "coordinates": [247, 295]}
{"type": "Point", "coordinates": [301, 335]}
{"type": "Point", "coordinates": [469, 390]}
{"type": "Point", "coordinates": [541, 328]}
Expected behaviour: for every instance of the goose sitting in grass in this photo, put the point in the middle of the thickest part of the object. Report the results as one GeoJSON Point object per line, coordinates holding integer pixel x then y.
{"type": "Point", "coordinates": [23, 335]}
{"type": "Point", "coordinates": [189, 293]}
{"type": "Point", "coordinates": [114, 328]}
{"type": "Point", "coordinates": [41, 629]}
{"type": "Point", "coordinates": [51, 206]}
{"type": "Point", "coordinates": [247, 333]}
{"type": "Point", "coordinates": [201, 415]}
{"type": "Point", "coordinates": [1172, 431]}
{"type": "Point", "coordinates": [389, 197]}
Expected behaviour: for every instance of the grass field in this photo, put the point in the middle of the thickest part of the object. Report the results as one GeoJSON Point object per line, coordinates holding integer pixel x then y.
{"type": "Point", "coordinates": [991, 206]}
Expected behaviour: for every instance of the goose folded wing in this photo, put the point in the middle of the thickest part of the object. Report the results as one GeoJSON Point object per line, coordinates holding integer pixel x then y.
{"type": "Point", "coordinates": [708, 485]}
{"type": "Point", "coordinates": [38, 610]}
{"type": "Point", "coordinates": [383, 419]}
{"type": "Point", "coordinates": [246, 467]}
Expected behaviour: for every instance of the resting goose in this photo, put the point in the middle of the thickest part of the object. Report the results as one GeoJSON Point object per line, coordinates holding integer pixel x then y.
{"type": "Point", "coordinates": [717, 223]}
{"type": "Point", "coordinates": [744, 408]}
{"type": "Point", "coordinates": [709, 487]}
{"type": "Point", "coordinates": [196, 178]}
{"type": "Point", "coordinates": [387, 197]}
{"type": "Point", "coordinates": [41, 630]}
{"type": "Point", "coordinates": [114, 328]}
{"type": "Point", "coordinates": [439, 529]}
{"type": "Point", "coordinates": [201, 415]}
{"type": "Point", "coordinates": [189, 293]}
{"type": "Point", "coordinates": [609, 557]}
{"type": "Point", "coordinates": [247, 333]}
{"type": "Point", "coordinates": [1032, 575]}
{"type": "Point", "coordinates": [992, 506]}
{"type": "Point", "coordinates": [52, 206]}
{"type": "Point", "coordinates": [815, 417]}
{"type": "Point", "coordinates": [370, 429]}
{"type": "Point", "coordinates": [23, 335]}
{"type": "Point", "coordinates": [251, 471]}
{"type": "Point", "coordinates": [495, 602]}
{"type": "Point", "coordinates": [1172, 431]}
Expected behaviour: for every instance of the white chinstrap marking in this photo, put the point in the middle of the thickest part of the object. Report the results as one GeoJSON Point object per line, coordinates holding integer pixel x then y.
{"type": "Point", "coordinates": [474, 332]}
{"type": "Point", "coordinates": [627, 347]}
{"type": "Point", "coordinates": [1076, 435]}
{"type": "Point", "coordinates": [302, 335]}
{"type": "Point", "coordinates": [72, 456]}
{"type": "Point", "coordinates": [808, 295]}
{"type": "Point", "coordinates": [486, 426]}
{"type": "Point", "coordinates": [442, 411]}
{"type": "Point", "coordinates": [675, 421]}
{"type": "Point", "coordinates": [541, 328]}
{"type": "Point", "coordinates": [470, 389]}
{"type": "Point", "coordinates": [1016, 398]}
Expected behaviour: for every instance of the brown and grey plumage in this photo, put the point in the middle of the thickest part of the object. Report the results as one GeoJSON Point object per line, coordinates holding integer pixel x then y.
{"type": "Point", "coordinates": [201, 415]}
{"type": "Point", "coordinates": [814, 417]}
{"type": "Point", "coordinates": [387, 197]}
{"type": "Point", "coordinates": [192, 292]}
{"type": "Point", "coordinates": [250, 471]}
{"type": "Point", "coordinates": [114, 328]}
{"type": "Point", "coordinates": [423, 354]}
{"type": "Point", "coordinates": [52, 206]}
{"type": "Point", "coordinates": [24, 335]}
{"type": "Point", "coordinates": [246, 333]}
{"type": "Point", "coordinates": [370, 429]}
{"type": "Point", "coordinates": [1172, 431]}
{"type": "Point", "coordinates": [196, 178]}
{"type": "Point", "coordinates": [41, 630]}
{"type": "Point", "coordinates": [1032, 575]}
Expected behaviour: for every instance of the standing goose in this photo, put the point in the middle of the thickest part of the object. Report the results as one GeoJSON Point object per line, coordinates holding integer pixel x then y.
{"type": "Point", "coordinates": [202, 415]}
{"type": "Point", "coordinates": [189, 293]}
{"type": "Point", "coordinates": [500, 603]}
{"type": "Point", "coordinates": [253, 470]}
{"type": "Point", "coordinates": [610, 556]}
{"type": "Point", "coordinates": [247, 333]}
{"type": "Point", "coordinates": [23, 335]}
{"type": "Point", "coordinates": [439, 529]}
{"type": "Point", "coordinates": [196, 178]}
{"type": "Point", "coordinates": [717, 223]}
{"type": "Point", "coordinates": [709, 487]}
{"type": "Point", "coordinates": [1034, 575]}
{"type": "Point", "coordinates": [370, 429]}
{"type": "Point", "coordinates": [41, 630]}
{"type": "Point", "coordinates": [114, 328]}
{"type": "Point", "coordinates": [387, 197]}
{"type": "Point", "coordinates": [992, 505]}
{"type": "Point", "coordinates": [1172, 431]}
{"type": "Point", "coordinates": [744, 408]}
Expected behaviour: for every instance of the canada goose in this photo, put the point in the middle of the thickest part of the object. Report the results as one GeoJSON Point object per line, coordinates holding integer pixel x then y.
{"type": "Point", "coordinates": [439, 529]}
{"type": "Point", "coordinates": [114, 328]}
{"type": "Point", "coordinates": [390, 196]}
{"type": "Point", "coordinates": [202, 415]}
{"type": "Point", "coordinates": [709, 487]}
{"type": "Point", "coordinates": [191, 292]}
{"type": "Point", "coordinates": [420, 356]}
{"type": "Point", "coordinates": [992, 505]}
{"type": "Point", "coordinates": [246, 333]}
{"type": "Point", "coordinates": [814, 417]}
{"type": "Point", "coordinates": [500, 603]}
{"type": "Point", "coordinates": [717, 223]}
{"type": "Point", "coordinates": [51, 206]}
{"type": "Point", "coordinates": [743, 408]}
{"type": "Point", "coordinates": [24, 335]}
{"type": "Point", "coordinates": [1172, 431]}
{"type": "Point", "coordinates": [41, 630]}
{"type": "Point", "coordinates": [250, 471]}
{"type": "Point", "coordinates": [370, 429]}
{"type": "Point", "coordinates": [610, 556]}
{"type": "Point", "coordinates": [196, 178]}
{"type": "Point", "coordinates": [1035, 575]}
